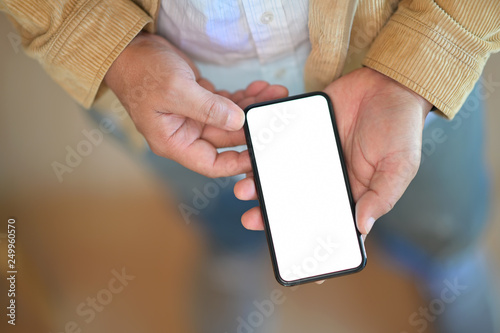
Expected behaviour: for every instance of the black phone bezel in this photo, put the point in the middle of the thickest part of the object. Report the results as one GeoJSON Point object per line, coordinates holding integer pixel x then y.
{"type": "Point", "coordinates": [263, 205]}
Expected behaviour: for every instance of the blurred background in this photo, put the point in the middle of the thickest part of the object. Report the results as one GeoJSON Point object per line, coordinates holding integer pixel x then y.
{"type": "Point", "coordinates": [111, 216]}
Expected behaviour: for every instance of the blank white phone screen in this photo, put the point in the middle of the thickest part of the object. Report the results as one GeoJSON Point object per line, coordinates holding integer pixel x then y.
{"type": "Point", "coordinates": [304, 191]}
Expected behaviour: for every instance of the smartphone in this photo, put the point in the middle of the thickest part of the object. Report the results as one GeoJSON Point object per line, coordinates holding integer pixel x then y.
{"type": "Point", "coordinates": [303, 189]}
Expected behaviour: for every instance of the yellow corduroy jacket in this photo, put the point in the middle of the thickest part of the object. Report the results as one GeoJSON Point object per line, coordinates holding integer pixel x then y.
{"type": "Point", "coordinates": [437, 48]}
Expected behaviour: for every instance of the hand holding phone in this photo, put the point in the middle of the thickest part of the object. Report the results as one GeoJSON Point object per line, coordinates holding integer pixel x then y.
{"type": "Point", "coordinates": [380, 123]}
{"type": "Point", "coordinates": [303, 189]}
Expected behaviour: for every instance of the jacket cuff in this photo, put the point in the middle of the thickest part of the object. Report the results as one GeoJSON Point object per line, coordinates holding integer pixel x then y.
{"type": "Point", "coordinates": [429, 52]}
{"type": "Point", "coordinates": [90, 41]}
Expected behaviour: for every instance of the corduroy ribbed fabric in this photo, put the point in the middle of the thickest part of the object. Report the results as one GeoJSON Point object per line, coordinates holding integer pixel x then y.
{"type": "Point", "coordinates": [330, 24]}
{"type": "Point", "coordinates": [77, 41]}
{"type": "Point", "coordinates": [436, 48]}
{"type": "Point", "coordinates": [435, 55]}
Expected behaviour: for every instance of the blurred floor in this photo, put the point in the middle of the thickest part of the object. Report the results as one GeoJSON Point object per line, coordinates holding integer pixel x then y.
{"type": "Point", "coordinates": [111, 213]}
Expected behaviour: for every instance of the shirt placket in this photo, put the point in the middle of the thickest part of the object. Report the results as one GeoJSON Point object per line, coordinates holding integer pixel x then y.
{"type": "Point", "coordinates": [269, 28]}
{"type": "Point", "coordinates": [272, 37]}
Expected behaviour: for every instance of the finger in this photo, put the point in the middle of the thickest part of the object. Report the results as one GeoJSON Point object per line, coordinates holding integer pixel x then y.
{"type": "Point", "coordinates": [255, 88]}
{"type": "Point", "coordinates": [203, 158]}
{"type": "Point", "coordinates": [224, 93]}
{"type": "Point", "coordinates": [187, 98]}
{"type": "Point", "coordinates": [260, 91]}
{"type": "Point", "coordinates": [245, 189]}
{"type": "Point", "coordinates": [320, 282]}
{"type": "Point", "coordinates": [221, 138]}
{"type": "Point", "coordinates": [237, 96]}
{"type": "Point", "coordinates": [251, 90]}
{"type": "Point", "coordinates": [390, 180]}
{"type": "Point", "coordinates": [204, 83]}
{"type": "Point", "coordinates": [252, 219]}
{"type": "Point", "coordinates": [268, 93]}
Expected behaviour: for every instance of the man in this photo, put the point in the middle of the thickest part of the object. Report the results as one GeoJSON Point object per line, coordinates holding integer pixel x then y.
{"type": "Point", "coordinates": [421, 54]}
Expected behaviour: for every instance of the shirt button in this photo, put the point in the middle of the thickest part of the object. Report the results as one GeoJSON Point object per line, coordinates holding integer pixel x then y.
{"type": "Point", "coordinates": [267, 18]}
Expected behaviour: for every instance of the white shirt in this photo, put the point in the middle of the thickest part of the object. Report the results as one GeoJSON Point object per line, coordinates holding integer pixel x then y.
{"type": "Point", "coordinates": [235, 42]}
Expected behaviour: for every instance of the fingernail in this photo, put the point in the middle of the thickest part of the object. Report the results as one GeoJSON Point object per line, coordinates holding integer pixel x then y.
{"type": "Point", "coordinates": [369, 224]}
{"type": "Point", "coordinates": [235, 120]}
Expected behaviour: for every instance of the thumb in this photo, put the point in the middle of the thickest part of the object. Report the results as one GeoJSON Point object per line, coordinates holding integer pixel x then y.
{"type": "Point", "coordinates": [386, 187]}
{"type": "Point", "coordinates": [368, 209]}
{"type": "Point", "coordinates": [195, 102]}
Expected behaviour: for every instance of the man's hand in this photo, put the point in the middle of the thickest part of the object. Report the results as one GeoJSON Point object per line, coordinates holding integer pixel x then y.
{"type": "Point", "coordinates": [180, 114]}
{"type": "Point", "coordinates": [380, 124]}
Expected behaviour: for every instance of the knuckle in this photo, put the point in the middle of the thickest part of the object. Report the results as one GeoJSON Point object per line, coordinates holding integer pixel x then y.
{"type": "Point", "coordinates": [209, 172]}
{"type": "Point", "coordinates": [232, 167]}
{"type": "Point", "coordinates": [413, 165]}
{"type": "Point", "coordinates": [409, 165]}
{"type": "Point", "coordinates": [212, 174]}
{"type": "Point", "coordinates": [170, 86]}
{"type": "Point", "coordinates": [210, 111]}
{"type": "Point", "coordinates": [389, 205]}
{"type": "Point", "coordinates": [158, 148]}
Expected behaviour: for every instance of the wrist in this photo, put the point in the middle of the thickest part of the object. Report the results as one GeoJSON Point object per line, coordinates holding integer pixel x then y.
{"type": "Point", "coordinates": [423, 105]}
{"type": "Point", "coordinates": [121, 63]}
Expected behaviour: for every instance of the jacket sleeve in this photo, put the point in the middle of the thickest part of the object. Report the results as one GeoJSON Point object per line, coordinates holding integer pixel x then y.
{"type": "Point", "coordinates": [76, 41]}
{"type": "Point", "coordinates": [438, 48]}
